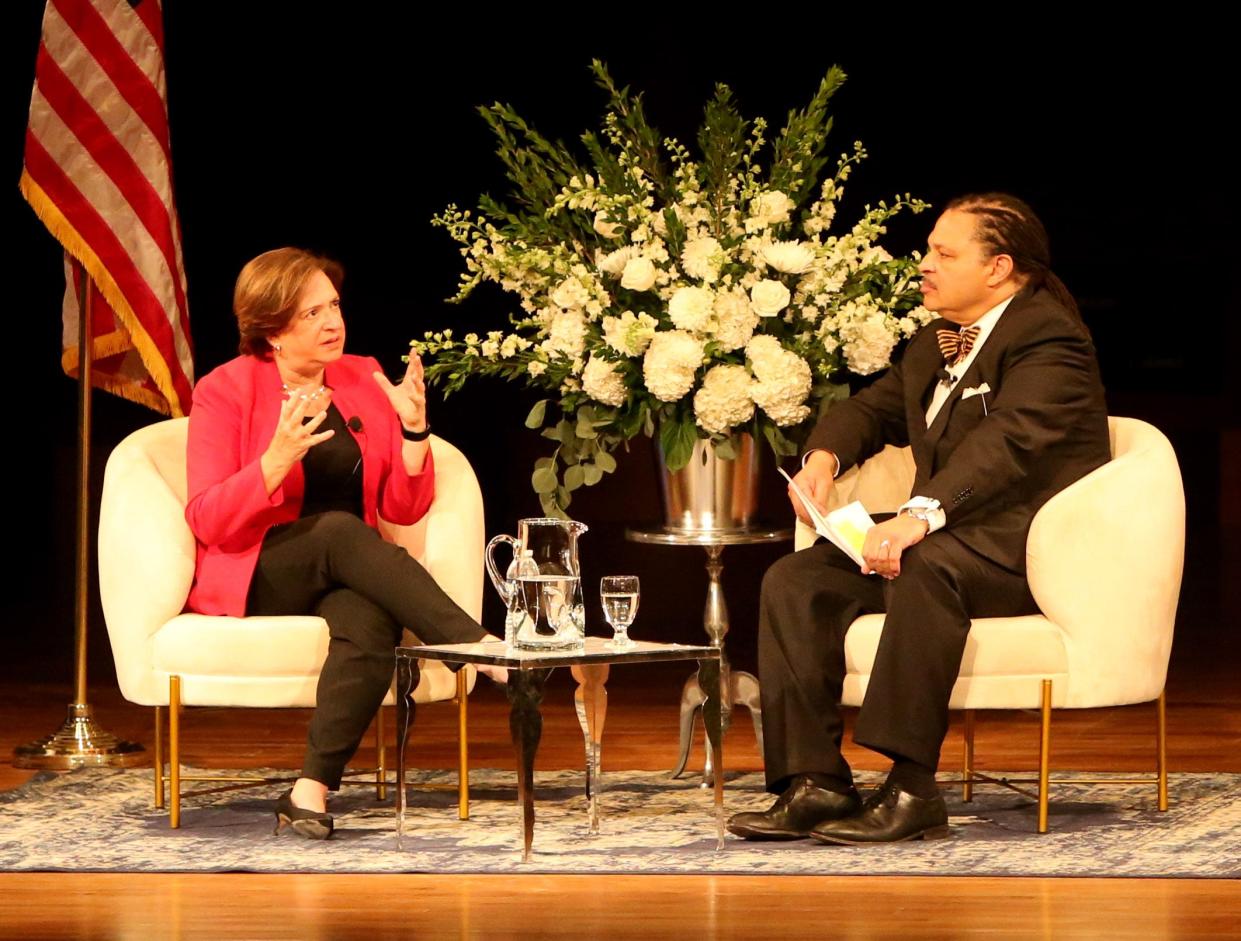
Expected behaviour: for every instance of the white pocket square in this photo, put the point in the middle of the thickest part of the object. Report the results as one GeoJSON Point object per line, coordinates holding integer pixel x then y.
{"type": "Point", "coordinates": [975, 390]}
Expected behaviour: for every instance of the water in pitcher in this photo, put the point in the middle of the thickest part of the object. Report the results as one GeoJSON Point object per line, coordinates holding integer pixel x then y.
{"type": "Point", "coordinates": [549, 614]}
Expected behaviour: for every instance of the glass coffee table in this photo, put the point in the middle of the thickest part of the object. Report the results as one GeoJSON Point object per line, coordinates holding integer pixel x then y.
{"type": "Point", "coordinates": [528, 672]}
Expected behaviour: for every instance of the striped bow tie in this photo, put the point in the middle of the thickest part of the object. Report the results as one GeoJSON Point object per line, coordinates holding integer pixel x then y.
{"type": "Point", "coordinates": [956, 346]}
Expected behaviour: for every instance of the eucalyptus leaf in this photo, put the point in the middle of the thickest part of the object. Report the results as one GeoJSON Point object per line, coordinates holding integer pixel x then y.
{"type": "Point", "coordinates": [537, 414]}
{"type": "Point", "coordinates": [574, 477]}
{"type": "Point", "coordinates": [605, 462]}
{"type": "Point", "coordinates": [592, 474]}
{"type": "Point", "coordinates": [543, 480]}
{"type": "Point", "coordinates": [585, 428]}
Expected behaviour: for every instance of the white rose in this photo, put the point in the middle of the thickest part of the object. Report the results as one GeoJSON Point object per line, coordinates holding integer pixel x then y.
{"type": "Point", "coordinates": [691, 308]}
{"type": "Point", "coordinates": [603, 383]}
{"type": "Point", "coordinates": [639, 274]}
{"type": "Point", "coordinates": [609, 230]}
{"type": "Point", "coordinates": [701, 259]}
{"type": "Point", "coordinates": [789, 257]}
{"type": "Point", "coordinates": [768, 209]}
{"type": "Point", "coordinates": [769, 297]}
{"type": "Point", "coordinates": [724, 401]}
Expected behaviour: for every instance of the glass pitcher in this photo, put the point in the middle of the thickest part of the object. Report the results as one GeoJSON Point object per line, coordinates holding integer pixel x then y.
{"type": "Point", "coordinates": [542, 586]}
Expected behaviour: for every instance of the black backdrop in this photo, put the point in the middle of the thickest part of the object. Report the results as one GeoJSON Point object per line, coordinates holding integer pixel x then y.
{"type": "Point", "coordinates": [344, 131]}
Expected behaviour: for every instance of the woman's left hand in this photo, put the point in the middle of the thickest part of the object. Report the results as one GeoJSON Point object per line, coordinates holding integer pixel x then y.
{"type": "Point", "coordinates": [409, 399]}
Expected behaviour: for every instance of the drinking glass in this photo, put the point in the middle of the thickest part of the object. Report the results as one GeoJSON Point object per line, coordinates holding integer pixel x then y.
{"type": "Point", "coordinates": [619, 595]}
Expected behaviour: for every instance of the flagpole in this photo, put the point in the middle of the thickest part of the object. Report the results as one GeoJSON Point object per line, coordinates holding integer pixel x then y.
{"type": "Point", "coordinates": [80, 742]}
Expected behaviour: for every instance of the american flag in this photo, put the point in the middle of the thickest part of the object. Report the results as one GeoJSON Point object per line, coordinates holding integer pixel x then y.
{"type": "Point", "coordinates": [98, 173]}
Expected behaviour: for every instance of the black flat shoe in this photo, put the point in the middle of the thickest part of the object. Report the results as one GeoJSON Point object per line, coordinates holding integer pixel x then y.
{"type": "Point", "coordinates": [795, 812]}
{"type": "Point", "coordinates": [311, 824]}
{"type": "Point", "coordinates": [890, 815]}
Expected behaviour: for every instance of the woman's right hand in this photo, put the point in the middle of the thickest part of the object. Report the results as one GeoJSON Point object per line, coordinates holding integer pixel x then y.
{"type": "Point", "coordinates": [292, 440]}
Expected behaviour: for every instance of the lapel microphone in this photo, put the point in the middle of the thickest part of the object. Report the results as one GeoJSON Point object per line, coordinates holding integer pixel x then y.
{"type": "Point", "coordinates": [354, 424]}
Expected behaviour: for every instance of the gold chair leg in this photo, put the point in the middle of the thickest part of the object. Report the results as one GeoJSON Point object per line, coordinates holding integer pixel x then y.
{"type": "Point", "coordinates": [967, 765]}
{"type": "Point", "coordinates": [159, 758]}
{"type": "Point", "coordinates": [1044, 757]}
{"type": "Point", "coordinates": [174, 751]}
{"type": "Point", "coordinates": [463, 747]}
{"type": "Point", "coordinates": [1161, 712]}
{"type": "Point", "coordinates": [381, 751]}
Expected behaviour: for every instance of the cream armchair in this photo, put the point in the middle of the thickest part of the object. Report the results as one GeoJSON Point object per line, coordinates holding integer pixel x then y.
{"type": "Point", "coordinates": [168, 659]}
{"type": "Point", "coordinates": [1104, 561]}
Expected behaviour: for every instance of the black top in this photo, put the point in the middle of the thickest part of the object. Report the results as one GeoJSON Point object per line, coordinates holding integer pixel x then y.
{"type": "Point", "coordinates": [333, 470]}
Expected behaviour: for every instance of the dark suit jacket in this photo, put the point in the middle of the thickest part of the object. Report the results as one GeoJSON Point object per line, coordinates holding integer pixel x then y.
{"type": "Point", "coordinates": [1044, 426]}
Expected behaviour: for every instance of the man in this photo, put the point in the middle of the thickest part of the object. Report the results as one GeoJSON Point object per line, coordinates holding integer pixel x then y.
{"type": "Point", "coordinates": [1001, 402]}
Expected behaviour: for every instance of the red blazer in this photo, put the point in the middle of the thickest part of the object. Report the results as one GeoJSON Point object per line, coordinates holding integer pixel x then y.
{"type": "Point", "coordinates": [232, 421]}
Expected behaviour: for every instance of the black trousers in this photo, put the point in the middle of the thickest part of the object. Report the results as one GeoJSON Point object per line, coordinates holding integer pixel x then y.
{"type": "Point", "coordinates": [335, 566]}
{"type": "Point", "coordinates": [810, 598]}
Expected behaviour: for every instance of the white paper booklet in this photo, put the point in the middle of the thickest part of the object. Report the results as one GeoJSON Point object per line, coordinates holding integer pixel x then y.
{"type": "Point", "coordinates": [845, 528]}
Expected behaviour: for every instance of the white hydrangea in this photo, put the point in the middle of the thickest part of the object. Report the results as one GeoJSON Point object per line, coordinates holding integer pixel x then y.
{"type": "Point", "coordinates": [603, 383]}
{"type": "Point", "coordinates": [670, 363]}
{"type": "Point", "coordinates": [788, 257]}
{"type": "Point", "coordinates": [724, 400]}
{"type": "Point", "coordinates": [769, 297]}
{"type": "Point", "coordinates": [701, 258]}
{"type": "Point", "coordinates": [639, 274]}
{"type": "Point", "coordinates": [735, 319]}
{"type": "Point", "coordinates": [629, 334]}
{"type": "Point", "coordinates": [566, 334]}
{"type": "Point", "coordinates": [691, 308]}
{"type": "Point", "coordinates": [867, 341]}
{"type": "Point", "coordinates": [782, 381]}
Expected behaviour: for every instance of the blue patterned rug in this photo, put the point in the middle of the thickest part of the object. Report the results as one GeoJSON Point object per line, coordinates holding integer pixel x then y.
{"type": "Point", "coordinates": [102, 820]}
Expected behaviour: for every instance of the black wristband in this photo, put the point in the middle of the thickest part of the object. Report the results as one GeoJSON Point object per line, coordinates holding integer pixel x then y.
{"type": "Point", "coordinates": [416, 435]}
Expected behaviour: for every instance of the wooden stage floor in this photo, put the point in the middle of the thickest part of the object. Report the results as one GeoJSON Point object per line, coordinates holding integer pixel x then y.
{"type": "Point", "coordinates": [1204, 735]}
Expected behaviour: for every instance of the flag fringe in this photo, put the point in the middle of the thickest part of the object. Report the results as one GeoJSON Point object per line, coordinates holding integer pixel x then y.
{"type": "Point", "coordinates": [63, 231]}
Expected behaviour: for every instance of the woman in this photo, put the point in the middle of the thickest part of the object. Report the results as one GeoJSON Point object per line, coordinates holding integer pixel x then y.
{"type": "Point", "coordinates": [294, 451]}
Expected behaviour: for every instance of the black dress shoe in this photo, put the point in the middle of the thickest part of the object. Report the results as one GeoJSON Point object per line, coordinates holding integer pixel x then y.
{"type": "Point", "coordinates": [890, 815]}
{"type": "Point", "coordinates": [311, 824]}
{"type": "Point", "coordinates": [795, 812]}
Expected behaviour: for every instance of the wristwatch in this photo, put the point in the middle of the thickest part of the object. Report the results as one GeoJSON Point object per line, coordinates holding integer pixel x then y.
{"type": "Point", "coordinates": [926, 509]}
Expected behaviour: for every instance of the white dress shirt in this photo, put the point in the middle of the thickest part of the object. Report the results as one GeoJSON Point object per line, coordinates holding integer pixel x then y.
{"type": "Point", "coordinates": [924, 507]}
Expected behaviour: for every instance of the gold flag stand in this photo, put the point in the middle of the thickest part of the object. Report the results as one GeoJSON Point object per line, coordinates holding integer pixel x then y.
{"type": "Point", "coordinates": [80, 742]}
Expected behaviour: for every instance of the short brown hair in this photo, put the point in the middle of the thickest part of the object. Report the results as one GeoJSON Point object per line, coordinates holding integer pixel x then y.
{"type": "Point", "coordinates": [267, 290]}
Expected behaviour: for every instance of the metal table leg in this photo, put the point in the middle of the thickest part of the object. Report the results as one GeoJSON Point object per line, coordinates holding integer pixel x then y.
{"type": "Point", "coordinates": [406, 682]}
{"type": "Point", "coordinates": [739, 687]}
{"type": "Point", "coordinates": [591, 702]}
{"type": "Point", "coordinates": [712, 720]}
{"type": "Point", "coordinates": [525, 723]}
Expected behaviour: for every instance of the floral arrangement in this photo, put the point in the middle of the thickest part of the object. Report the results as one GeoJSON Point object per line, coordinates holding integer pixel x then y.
{"type": "Point", "coordinates": [672, 295]}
